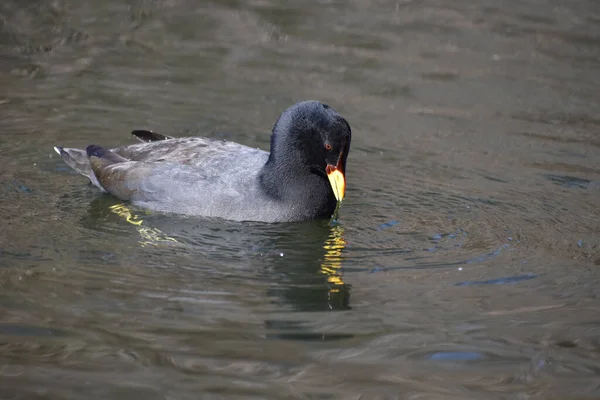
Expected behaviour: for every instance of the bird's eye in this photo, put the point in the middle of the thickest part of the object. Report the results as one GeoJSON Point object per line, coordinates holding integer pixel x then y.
{"type": "Point", "coordinates": [327, 146]}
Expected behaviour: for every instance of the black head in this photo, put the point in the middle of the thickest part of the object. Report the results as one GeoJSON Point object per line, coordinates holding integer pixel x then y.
{"type": "Point", "coordinates": [312, 137]}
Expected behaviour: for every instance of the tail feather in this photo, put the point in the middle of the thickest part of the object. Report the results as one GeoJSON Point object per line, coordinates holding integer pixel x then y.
{"type": "Point", "coordinates": [78, 160]}
{"type": "Point", "coordinates": [148, 136]}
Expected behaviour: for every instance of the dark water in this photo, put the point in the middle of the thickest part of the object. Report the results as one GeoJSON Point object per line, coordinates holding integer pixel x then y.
{"type": "Point", "coordinates": [465, 261]}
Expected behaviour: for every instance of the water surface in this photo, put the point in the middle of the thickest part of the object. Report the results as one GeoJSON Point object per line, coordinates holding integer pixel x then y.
{"type": "Point", "coordinates": [464, 263]}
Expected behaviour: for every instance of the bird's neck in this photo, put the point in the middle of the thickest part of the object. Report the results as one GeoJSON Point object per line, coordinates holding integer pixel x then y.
{"type": "Point", "coordinates": [296, 184]}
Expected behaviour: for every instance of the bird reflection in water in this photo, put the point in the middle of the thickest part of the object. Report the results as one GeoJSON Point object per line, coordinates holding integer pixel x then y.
{"type": "Point", "coordinates": [331, 267]}
{"type": "Point", "coordinates": [308, 292]}
{"type": "Point", "coordinates": [150, 236]}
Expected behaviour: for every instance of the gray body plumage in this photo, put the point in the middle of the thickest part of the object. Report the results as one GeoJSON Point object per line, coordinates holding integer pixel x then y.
{"type": "Point", "coordinates": [216, 178]}
{"type": "Point", "coordinates": [196, 176]}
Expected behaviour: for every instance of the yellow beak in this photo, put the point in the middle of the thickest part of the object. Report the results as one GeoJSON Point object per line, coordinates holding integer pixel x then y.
{"type": "Point", "coordinates": [337, 181]}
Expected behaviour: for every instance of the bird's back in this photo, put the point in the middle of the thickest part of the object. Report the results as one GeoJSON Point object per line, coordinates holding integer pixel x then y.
{"type": "Point", "coordinates": [191, 175]}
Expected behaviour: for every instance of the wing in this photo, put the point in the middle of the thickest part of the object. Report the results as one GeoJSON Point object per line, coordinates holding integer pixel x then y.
{"type": "Point", "coordinates": [196, 177]}
{"type": "Point", "coordinates": [194, 151]}
{"type": "Point", "coordinates": [190, 175]}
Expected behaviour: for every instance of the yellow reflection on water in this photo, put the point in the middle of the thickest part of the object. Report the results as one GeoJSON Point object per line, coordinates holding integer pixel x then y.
{"type": "Point", "coordinates": [149, 236]}
{"type": "Point", "coordinates": [332, 261]}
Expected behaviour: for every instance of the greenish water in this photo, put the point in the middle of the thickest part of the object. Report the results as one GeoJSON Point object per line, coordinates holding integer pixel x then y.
{"type": "Point", "coordinates": [464, 262]}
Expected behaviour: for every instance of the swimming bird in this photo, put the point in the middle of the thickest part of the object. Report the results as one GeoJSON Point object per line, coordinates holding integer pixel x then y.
{"type": "Point", "coordinates": [303, 176]}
